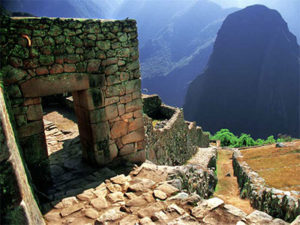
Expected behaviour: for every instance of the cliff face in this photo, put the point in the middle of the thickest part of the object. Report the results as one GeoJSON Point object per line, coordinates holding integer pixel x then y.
{"type": "Point", "coordinates": [251, 83]}
{"type": "Point", "coordinates": [180, 50]}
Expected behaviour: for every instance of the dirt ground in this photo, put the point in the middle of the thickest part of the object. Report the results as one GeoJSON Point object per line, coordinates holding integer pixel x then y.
{"type": "Point", "coordinates": [64, 118]}
{"type": "Point", "coordinates": [60, 125]}
{"type": "Point", "coordinates": [227, 188]}
{"type": "Point", "coordinates": [280, 167]}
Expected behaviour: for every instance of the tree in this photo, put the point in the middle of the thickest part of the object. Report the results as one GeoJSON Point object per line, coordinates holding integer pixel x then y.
{"type": "Point", "coordinates": [226, 137]}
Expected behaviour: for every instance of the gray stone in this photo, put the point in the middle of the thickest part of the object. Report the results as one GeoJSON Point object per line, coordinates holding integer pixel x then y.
{"type": "Point", "coordinates": [258, 217]}
{"type": "Point", "coordinates": [180, 196]}
{"type": "Point", "coordinates": [175, 208]}
{"type": "Point", "coordinates": [235, 211]}
{"type": "Point", "coordinates": [279, 145]}
{"type": "Point", "coordinates": [296, 221]}
{"type": "Point", "coordinates": [279, 222]}
{"type": "Point", "coordinates": [176, 183]}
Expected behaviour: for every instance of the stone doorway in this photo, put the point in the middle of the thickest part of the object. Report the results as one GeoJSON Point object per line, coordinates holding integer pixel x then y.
{"type": "Point", "coordinates": [96, 60]}
{"type": "Point", "coordinates": [60, 122]}
{"type": "Point", "coordinates": [34, 142]}
{"type": "Point", "coordinates": [59, 171]}
{"type": "Point", "coordinates": [67, 173]}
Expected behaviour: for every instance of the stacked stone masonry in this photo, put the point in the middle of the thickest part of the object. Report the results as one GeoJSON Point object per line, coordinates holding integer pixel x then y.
{"type": "Point", "coordinates": [17, 203]}
{"type": "Point", "coordinates": [172, 140]}
{"type": "Point", "coordinates": [96, 60]}
{"type": "Point", "coordinates": [277, 203]}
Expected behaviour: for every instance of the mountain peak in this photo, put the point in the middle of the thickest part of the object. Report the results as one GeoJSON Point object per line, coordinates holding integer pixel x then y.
{"type": "Point", "coordinates": [251, 83]}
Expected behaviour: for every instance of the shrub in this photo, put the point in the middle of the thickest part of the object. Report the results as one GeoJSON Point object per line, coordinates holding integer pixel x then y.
{"type": "Point", "coordinates": [270, 140]}
{"type": "Point", "coordinates": [284, 138]}
{"type": "Point", "coordinates": [226, 137]}
{"type": "Point", "coordinates": [229, 139]}
{"type": "Point", "coordinates": [245, 140]}
{"type": "Point", "coordinates": [260, 141]}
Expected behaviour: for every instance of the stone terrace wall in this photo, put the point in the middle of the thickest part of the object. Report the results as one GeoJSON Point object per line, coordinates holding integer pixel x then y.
{"type": "Point", "coordinates": [17, 204]}
{"type": "Point", "coordinates": [96, 60]}
{"type": "Point", "coordinates": [277, 203]}
{"type": "Point", "coordinates": [174, 140]}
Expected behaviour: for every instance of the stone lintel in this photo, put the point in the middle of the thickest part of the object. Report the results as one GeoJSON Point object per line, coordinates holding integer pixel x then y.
{"type": "Point", "coordinates": [50, 85]}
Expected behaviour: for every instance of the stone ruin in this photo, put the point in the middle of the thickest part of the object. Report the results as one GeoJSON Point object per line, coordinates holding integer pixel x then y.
{"type": "Point", "coordinates": [95, 60]}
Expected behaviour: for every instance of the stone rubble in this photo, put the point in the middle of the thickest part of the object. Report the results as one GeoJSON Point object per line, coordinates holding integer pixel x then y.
{"type": "Point", "coordinates": [142, 204]}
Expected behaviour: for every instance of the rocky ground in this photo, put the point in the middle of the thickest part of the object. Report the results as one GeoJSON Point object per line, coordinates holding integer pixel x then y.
{"type": "Point", "coordinates": [145, 195]}
{"type": "Point", "coordinates": [68, 174]}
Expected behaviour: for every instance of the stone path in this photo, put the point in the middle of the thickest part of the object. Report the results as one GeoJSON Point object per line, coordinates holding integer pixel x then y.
{"type": "Point", "coordinates": [145, 197]}
{"type": "Point", "coordinates": [68, 174]}
{"type": "Point", "coordinates": [227, 188]}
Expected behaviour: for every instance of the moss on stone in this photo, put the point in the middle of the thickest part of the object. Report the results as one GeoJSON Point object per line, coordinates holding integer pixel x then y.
{"type": "Point", "coordinates": [55, 30]}
{"type": "Point", "coordinates": [104, 146]}
{"type": "Point", "coordinates": [97, 96]}
{"type": "Point", "coordinates": [46, 60]}
{"type": "Point", "coordinates": [20, 52]}
{"type": "Point", "coordinates": [34, 149]}
{"type": "Point", "coordinates": [39, 33]}
{"type": "Point", "coordinates": [10, 195]}
{"type": "Point", "coordinates": [37, 42]}
{"type": "Point", "coordinates": [60, 39]}
{"type": "Point", "coordinates": [16, 216]}
{"type": "Point", "coordinates": [97, 80]}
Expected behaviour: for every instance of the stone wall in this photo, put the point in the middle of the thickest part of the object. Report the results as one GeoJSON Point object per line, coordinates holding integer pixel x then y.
{"type": "Point", "coordinates": [96, 60]}
{"type": "Point", "coordinates": [17, 203]}
{"type": "Point", "coordinates": [172, 140]}
{"type": "Point", "coordinates": [277, 203]}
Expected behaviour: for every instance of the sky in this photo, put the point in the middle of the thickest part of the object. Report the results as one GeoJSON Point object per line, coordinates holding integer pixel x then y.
{"type": "Point", "coordinates": [289, 9]}
{"type": "Point", "coordinates": [244, 3]}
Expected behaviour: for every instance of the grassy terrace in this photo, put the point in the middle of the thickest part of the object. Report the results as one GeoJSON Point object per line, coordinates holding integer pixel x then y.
{"type": "Point", "coordinates": [280, 167]}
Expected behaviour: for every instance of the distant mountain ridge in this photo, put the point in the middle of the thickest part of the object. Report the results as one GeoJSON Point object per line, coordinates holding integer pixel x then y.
{"type": "Point", "coordinates": [179, 52]}
{"type": "Point", "coordinates": [175, 37]}
{"type": "Point", "coordinates": [289, 9]}
{"type": "Point", "coordinates": [64, 8]}
{"type": "Point", "coordinates": [251, 82]}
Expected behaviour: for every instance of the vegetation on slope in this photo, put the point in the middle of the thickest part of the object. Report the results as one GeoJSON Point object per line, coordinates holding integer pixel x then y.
{"type": "Point", "coordinates": [227, 138]}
